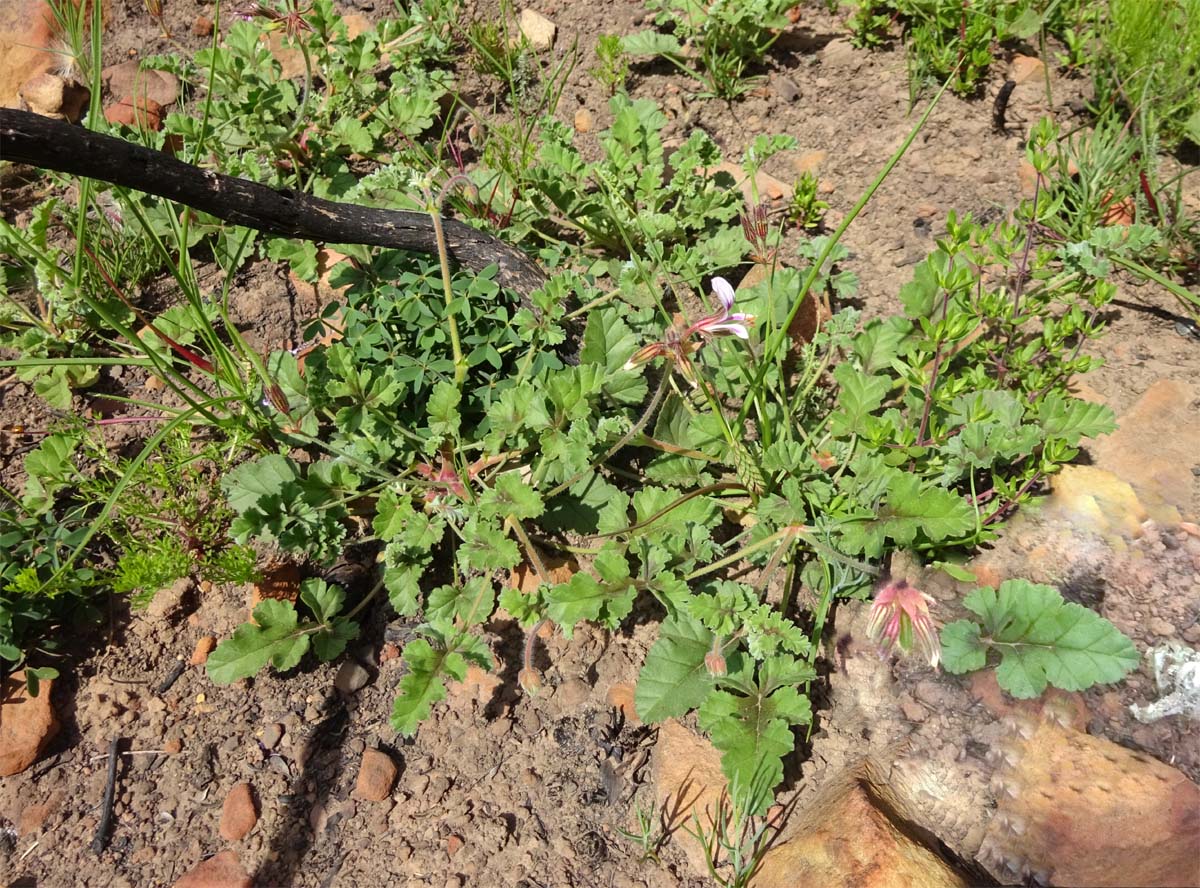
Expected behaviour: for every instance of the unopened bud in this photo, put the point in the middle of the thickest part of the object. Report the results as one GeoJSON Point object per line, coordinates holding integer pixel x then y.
{"type": "Point", "coordinates": [529, 680]}
{"type": "Point", "coordinates": [714, 662]}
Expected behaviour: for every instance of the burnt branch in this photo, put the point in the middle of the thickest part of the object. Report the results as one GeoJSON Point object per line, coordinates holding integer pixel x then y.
{"type": "Point", "coordinates": [54, 145]}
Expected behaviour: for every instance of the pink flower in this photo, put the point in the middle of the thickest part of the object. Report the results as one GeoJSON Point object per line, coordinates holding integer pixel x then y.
{"type": "Point", "coordinates": [678, 343]}
{"type": "Point", "coordinates": [899, 617]}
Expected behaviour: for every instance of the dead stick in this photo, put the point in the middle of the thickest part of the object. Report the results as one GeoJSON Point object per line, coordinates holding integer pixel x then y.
{"type": "Point", "coordinates": [55, 145]}
{"type": "Point", "coordinates": [110, 790]}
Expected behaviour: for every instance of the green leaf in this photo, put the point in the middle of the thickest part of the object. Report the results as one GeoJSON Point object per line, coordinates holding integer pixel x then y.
{"type": "Point", "coordinates": [424, 684]}
{"type": "Point", "coordinates": [511, 496]}
{"type": "Point", "coordinates": [858, 397]}
{"type": "Point", "coordinates": [1042, 640]}
{"type": "Point", "coordinates": [910, 508]}
{"type": "Point", "coordinates": [442, 409]}
{"type": "Point", "coordinates": [1073, 418]}
{"type": "Point", "coordinates": [674, 679]}
{"type": "Point", "coordinates": [609, 342]}
{"type": "Point", "coordinates": [273, 640]}
{"type": "Point", "coordinates": [650, 43]}
{"type": "Point", "coordinates": [323, 599]}
{"type": "Point", "coordinates": [753, 733]}
{"type": "Point", "coordinates": [472, 602]}
{"type": "Point", "coordinates": [486, 548]}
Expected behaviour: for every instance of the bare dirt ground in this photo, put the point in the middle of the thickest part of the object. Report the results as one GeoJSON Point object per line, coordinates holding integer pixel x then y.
{"type": "Point", "coordinates": [501, 789]}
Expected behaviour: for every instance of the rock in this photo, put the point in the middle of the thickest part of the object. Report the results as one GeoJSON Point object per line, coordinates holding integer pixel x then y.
{"type": "Point", "coordinates": [538, 29]}
{"type": "Point", "coordinates": [272, 734]}
{"type": "Point", "coordinates": [1025, 68]}
{"type": "Point", "coordinates": [129, 80]}
{"type": "Point", "coordinates": [1094, 499]}
{"type": "Point", "coordinates": [239, 813]}
{"type": "Point", "coordinates": [279, 580]}
{"type": "Point", "coordinates": [583, 121]}
{"type": "Point", "coordinates": [454, 844]}
{"type": "Point", "coordinates": [768, 187]}
{"type": "Point", "coordinates": [33, 817]}
{"type": "Point", "coordinates": [27, 724]}
{"type": "Point", "coordinates": [478, 685]}
{"type": "Point", "coordinates": [204, 647]}
{"type": "Point", "coordinates": [222, 870]}
{"type": "Point", "coordinates": [785, 88]}
{"type": "Point", "coordinates": [842, 839]}
{"type": "Point", "coordinates": [54, 96]}
{"type": "Point", "coordinates": [376, 776]}
{"type": "Point", "coordinates": [138, 113]}
{"type": "Point", "coordinates": [388, 653]}
{"type": "Point", "coordinates": [1154, 448]}
{"type": "Point", "coordinates": [169, 603]}
{"type": "Point", "coordinates": [351, 677]}
{"type": "Point", "coordinates": [620, 696]}
{"type": "Point", "coordinates": [1080, 810]}
{"type": "Point", "coordinates": [1026, 177]}
{"type": "Point", "coordinates": [27, 31]}
{"type": "Point", "coordinates": [687, 779]}
{"type": "Point", "coordinates": [202, 26]}
{"type": "Point", "coordinates": [173, 746]}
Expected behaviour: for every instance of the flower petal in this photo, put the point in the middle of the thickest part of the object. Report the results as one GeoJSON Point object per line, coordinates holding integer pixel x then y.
{"type": "Point", "coordinates": [724, 292]}
{"type": "Point", "coordinates": [644, 354]}
{"type": "Point", "coordinates": [738, 330]}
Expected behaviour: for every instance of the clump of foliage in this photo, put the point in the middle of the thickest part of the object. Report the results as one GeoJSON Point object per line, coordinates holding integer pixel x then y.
{"type": "Point", "coordinates": [612, 65]}
{"type": "Point", "coordinates": [950, 39]}
{"type": "Point", "coordinates": [1149, 61]}
{"type": "Point", "coordinates": [679, 438]}
{"type": "Point", "coordinates": [714, 42]}
{"type": "Point", "coordinates": [806, 210]}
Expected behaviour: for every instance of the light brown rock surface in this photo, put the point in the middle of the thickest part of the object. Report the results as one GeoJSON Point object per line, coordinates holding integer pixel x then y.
{"type": "Point", "coordinates": [27, 724]}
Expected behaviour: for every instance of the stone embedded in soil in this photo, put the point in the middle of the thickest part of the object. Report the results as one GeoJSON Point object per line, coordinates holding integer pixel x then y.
{"type": "Point", "coordinates": [139, 113]}
{"type": "Point", "coordinates": [1154, 448]}
{"type": "Point", "coordinates": [239, 813]}
{"type": "Point", "coordinates": [1081, 810]}
{"type": "Point", "coordinates": [1024, 68]}
{"type": "Point", "coordinates": [222, 870]}
{"type": "Point", "coordinates": [538, 29]}
{"type": "Point", "coordinates": [351, 677]}
{"type": "Point", "coordinates": [620, 696]}
{"type": "Point", "coordinates": [844, 839]}
{"type": "Point", "coordinates": [280, 582]}
{"type": "Point", "coordinates": [376, 776]}
{"type": "Point", "coordinates": [27, 724]}
{"type": "Point", "coordinates": [1094, 499]}
{"type": "Point", "coordinates": [204, 646]}
{"type": "Point", "coordinates": [129, 80]}
{"type": "Point", "coordinates": [687, 780]}
{"type": "Point", "coordinates": [170, 602]}
{"type": "Point", "coordinates": [34, 817]}
{"type": "Point", "coordinates": [53, 96]}
{"type": "Point", "coordinates": [583, 121]}
{"type": "Point", "coordinates": [768, 187]}
{"type": "Point", "coordinates": [572, 693]}
{"type": "Point", "coordinates": [202, 26]}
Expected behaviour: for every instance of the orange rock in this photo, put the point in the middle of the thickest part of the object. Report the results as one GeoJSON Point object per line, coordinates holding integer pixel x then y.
{"type": "Point", "coordinates": [620, 696]}
{"type": "Point", "coordinates": [768, 187]}
{"type": "Point", "coordinates": [454, 844]}
{"type": "Point", "coordinates": [280, 580]}
{"type": "Point", "coordinates": [1117, 212]}
{"type": "Point", "coordinates": [1025, 68]}
{"type": "Point", "coordinates": [222, 870]}
{"type": "Point", "coordinates": [847, 841]}
{"type": "Point", "coordinates": [687, 780]}
{"type": "Point", "coordinates": [204, 647]}
{"type": "Point", "coordinates": [1067, 709]}
{"type": "Point", "coordinates": [33, 817]}
{"type": "Point", "coordinates": [583, 121]}
{"type": "Point", "coordinates": [376, 776]}
{"type": "Point", "coordinates": [1080, 810]}
{"type": "Point", "coordinates": [388, 652]}
{"type": "Point", "coordinates": [202, 26]}
{"type": "Point", "coordinates": [27, 724]}
{"type": "Point", "coordinates": [140, 112]}
{"type": "Point", "coordinates": [525, 578]}
{"type": "Point", "coordinates": [239, 813]}
{"type": "Point", "coordinates": [130, 80]}
{"type": "Point", "coordinates": [53, 96]}
{"type": "Point", "coordinates": [1154, 449]}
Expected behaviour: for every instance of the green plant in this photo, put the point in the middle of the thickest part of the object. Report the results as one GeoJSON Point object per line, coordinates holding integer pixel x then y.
{"type": "Point", "coordinates": [714, 42]}
{"type": "Point", "coordinates": [958, 39]}
{"type": "Point", "coordinates": [806, 210]}
{"type": "Point", "coordinates": [1149, 61]}
{"type": "Point", "coordinates": [1042, 640]}
{"type": "Point", "coordinates": [612, 65]}
{"type": "Point", "coordinates": [734, 841]}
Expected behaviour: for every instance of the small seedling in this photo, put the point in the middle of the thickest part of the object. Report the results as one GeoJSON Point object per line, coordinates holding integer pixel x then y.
{"type": "Point", "coordinates": [806, 210]}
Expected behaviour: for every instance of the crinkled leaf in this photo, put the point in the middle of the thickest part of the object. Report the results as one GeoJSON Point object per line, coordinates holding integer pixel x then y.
{"type": "Point", "coordinates": [1073, 418]}
{"type": "Point", "coordinates": [674, 679]}
{"type": "Point", "coordinates": [273, 640]}
{"type": "Point", "coordinates": [1042, 640]}
{"type": "Point", "coordinates": [424, 684]}
{"type": "Point", "coordinates": [859, 396]}
{"type": "Point", "coordinates": [510, 496]}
